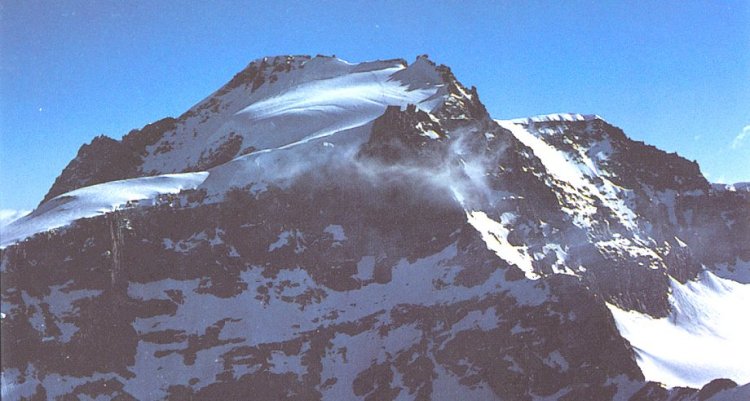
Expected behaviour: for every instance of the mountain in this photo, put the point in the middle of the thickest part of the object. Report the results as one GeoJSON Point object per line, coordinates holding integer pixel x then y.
{"type": "Point", "coordinates": [317, 229]}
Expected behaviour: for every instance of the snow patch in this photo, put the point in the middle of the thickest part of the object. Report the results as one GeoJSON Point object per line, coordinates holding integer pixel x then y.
{"type": "Point", "coordinates": [336, 231]}
{"type": "Point", "coordinates": [560, 266]}
{"type": "Point", "coordinates": [495, 235]}
{"type": "Point", "coordinates": [680, 242]}
{"type": "Point", "coordinates": [286, 238]}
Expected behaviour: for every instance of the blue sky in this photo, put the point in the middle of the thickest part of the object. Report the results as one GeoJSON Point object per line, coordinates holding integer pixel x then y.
{"type": "Point", "coordinates": [675, 74]}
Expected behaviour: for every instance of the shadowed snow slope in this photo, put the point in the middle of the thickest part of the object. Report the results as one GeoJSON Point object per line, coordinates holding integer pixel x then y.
{"type": "Point", "coordinates": [705, 336]}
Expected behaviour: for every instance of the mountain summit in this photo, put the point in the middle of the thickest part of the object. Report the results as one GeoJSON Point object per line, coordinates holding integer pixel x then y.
{"type": "Point", "coordinates": [322, 230]}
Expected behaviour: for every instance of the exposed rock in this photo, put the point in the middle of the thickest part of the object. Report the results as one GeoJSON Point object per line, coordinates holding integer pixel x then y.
{"type": "Point", "coordinates": [428, 253]}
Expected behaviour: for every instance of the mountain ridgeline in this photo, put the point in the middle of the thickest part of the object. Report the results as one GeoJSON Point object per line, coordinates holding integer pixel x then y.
{"type": "Point", "coordinates": [321, 230]}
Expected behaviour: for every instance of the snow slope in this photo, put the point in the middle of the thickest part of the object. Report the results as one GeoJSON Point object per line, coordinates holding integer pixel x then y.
{"type": "Point", "coordinates": [704, 337]}
{"type": "Point", "coordinates": [8, 216]}
{"type": "Point", "coordinates": [495, 235]}
{"type": "Point", "coordinates": [95, 200]}
{"type": "Point", "coordinates": [323, 103]}
{"type": "Point", "coordinates": [280, 166]}
{"type": "Point", "coordinates": [585, 189]}
{"type": "Point", "coordinates": [309, 119]}
{"type": "Point", "coordinates": [317, 98]}
{"type": "Point", "coordinates": [577, 174]}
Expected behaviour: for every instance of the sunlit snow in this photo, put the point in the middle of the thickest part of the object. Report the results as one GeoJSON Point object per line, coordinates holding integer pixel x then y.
{"type": "Point", "coordinates": [95, 200]}
{"type": "Point", "coordinates": [495, 235]}
{"type": "Point", "coordinates": [574, 173]}
{"type": "Point", "coordinates": [705, 336]}
{"type": "Point", "coordinates": [323, 97]}
{"type": "Point", "coordinates": [8, 216]}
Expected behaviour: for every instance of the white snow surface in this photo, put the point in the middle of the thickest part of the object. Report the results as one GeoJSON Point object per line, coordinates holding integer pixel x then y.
{"type": "Point", "coordinates": [95, 200]}
{"type": "Point", "coordinates": [495, 236]}
{"type": "Point", "coordinates": [321, 97]}
{"type": "Point", "coordinates": [704, 337]}
{"type": "Point", "coordinates": [8, 216]}
{"type": "Point", "coordinates": [316, 113]}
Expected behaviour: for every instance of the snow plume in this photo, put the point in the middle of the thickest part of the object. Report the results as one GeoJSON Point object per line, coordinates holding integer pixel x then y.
{"type": "Point", "coordinates": [96, 200]}
{"type": "Point", "coordinates": [316, 120]}
{"type": "Point", "coordinates": [458, 169]}
{"type": "Point", "coordinates": [442, 174]}
{"type": "Point", "coordinates": [282, 167]}
{"type": "Point", "coordinates": [457, 175]}
{"type": "Point", "coordinates": [470, 169]}
{"type": "Point", "coordinates": [8, 216]}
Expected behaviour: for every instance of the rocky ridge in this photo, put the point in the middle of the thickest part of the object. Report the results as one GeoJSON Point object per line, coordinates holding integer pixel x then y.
{"type": "Point", "coordinates": [396, 244]}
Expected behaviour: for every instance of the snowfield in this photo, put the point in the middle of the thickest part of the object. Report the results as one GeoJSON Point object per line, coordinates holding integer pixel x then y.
{"type": "Point", "coordinates": [323, 96]}
{"type": "Point", "coordinates": [704, 337]}
{"type": "Point", "coordinates": [96, 200]}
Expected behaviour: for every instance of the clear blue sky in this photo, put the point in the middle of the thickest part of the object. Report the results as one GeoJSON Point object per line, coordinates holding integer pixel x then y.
{"type": "Point", "coordinates": [675, 74]}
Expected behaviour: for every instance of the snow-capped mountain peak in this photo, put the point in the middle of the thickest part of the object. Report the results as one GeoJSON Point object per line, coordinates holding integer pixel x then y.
{"type": "Point", "coordinates": [318, 229]}
{"type": "Point", "coordinates": [274, 102]}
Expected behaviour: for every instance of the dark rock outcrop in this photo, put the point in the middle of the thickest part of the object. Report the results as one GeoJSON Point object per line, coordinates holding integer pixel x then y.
{"type": "Point", "coordinates": [442, 257]}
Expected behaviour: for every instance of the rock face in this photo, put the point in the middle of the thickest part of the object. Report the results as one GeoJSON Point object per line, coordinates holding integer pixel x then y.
{"type": "Point", "coordinates": [366, 231]}
{"type": "Point", "coordinates": [410, 136]}
{"type": "Point", "coordinates": [106, 159]}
